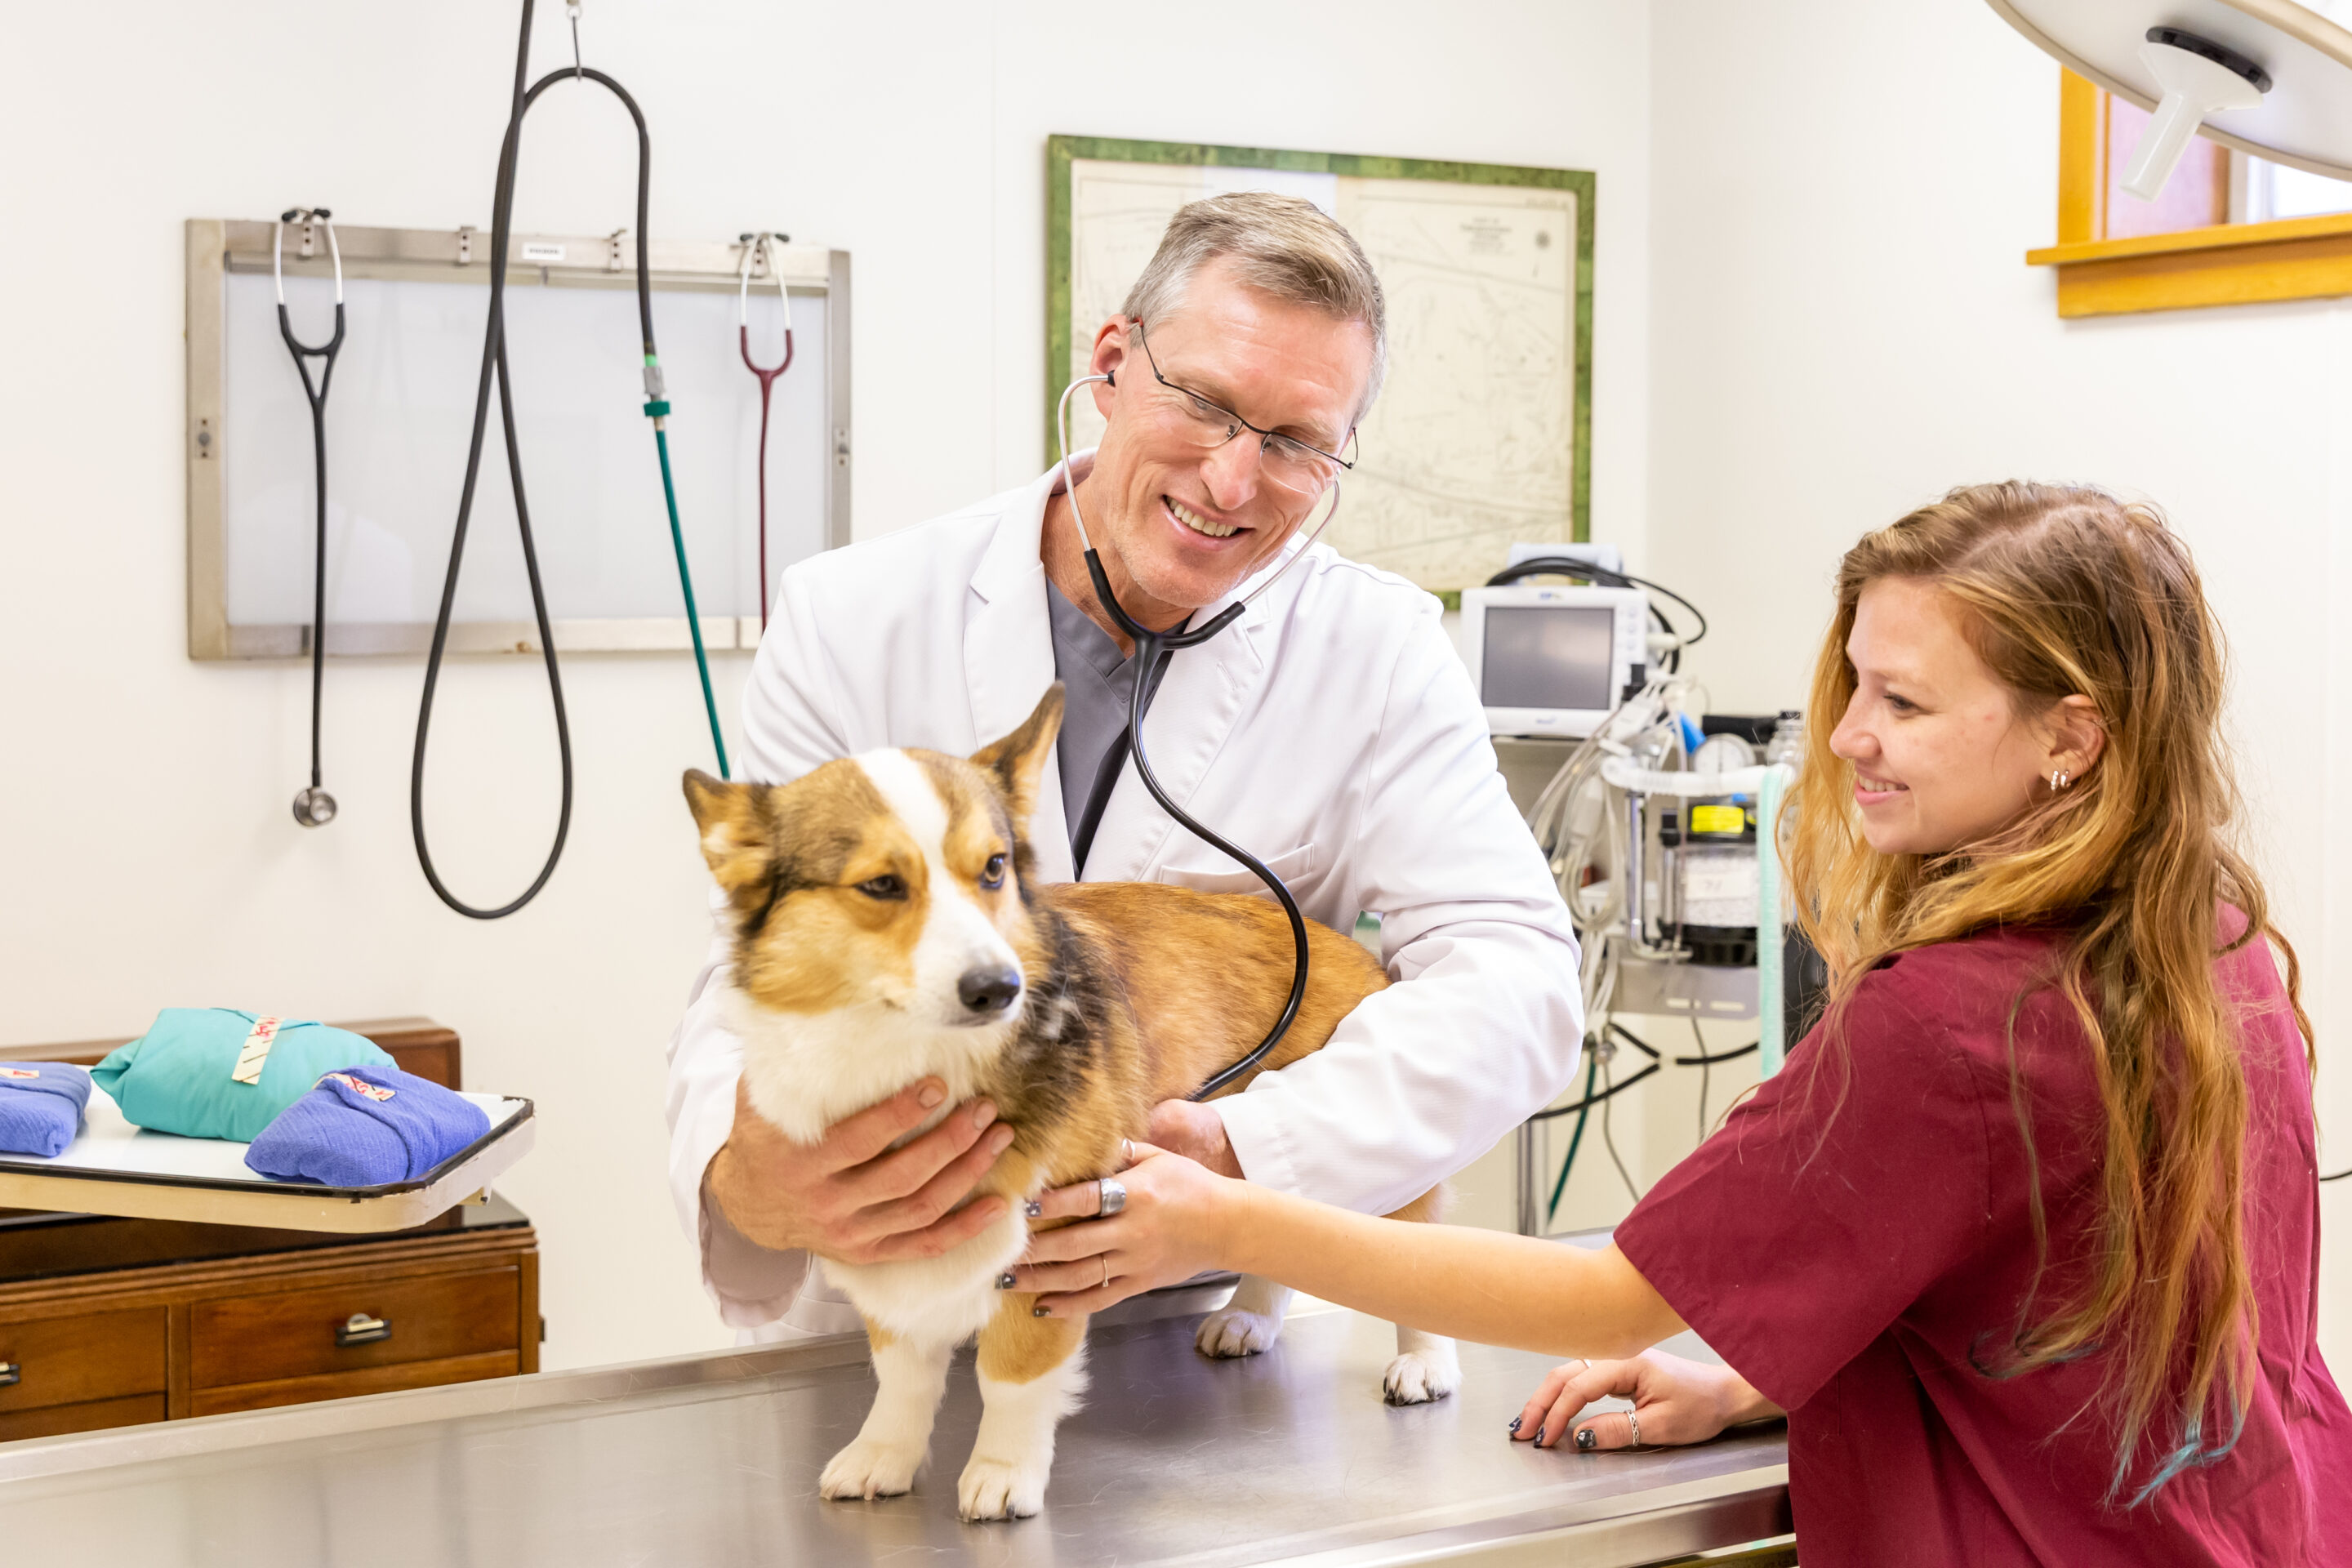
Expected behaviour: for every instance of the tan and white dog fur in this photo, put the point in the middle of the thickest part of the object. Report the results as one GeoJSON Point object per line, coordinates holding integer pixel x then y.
{"type": "Point", "coordinates": [887, 926]}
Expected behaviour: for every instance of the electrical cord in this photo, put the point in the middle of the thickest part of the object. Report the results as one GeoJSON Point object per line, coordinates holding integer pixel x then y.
{"type": "Point", "coordinates": [494, 363]}
{"type": "Point", "coordinates": [1567, 566]}
{"type": "Point", "coordinates": [1609, 1138]}
{"type": "Point", "coordinates": [2337, 1177]}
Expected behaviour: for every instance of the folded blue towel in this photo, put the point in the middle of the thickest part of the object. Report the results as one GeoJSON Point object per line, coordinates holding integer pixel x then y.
{"type": "Point", "coordinates": [40, 1106]}
{"type": "Point", "coordinates": [367, 1127]}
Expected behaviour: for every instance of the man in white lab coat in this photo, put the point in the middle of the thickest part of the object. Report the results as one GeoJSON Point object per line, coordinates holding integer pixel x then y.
{"type": "Point", "coordinates": [1331, 729]}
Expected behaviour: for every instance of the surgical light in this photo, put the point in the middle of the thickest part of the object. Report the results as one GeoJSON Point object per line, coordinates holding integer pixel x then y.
{"type": "Point", "coordinates": [2271, 77]}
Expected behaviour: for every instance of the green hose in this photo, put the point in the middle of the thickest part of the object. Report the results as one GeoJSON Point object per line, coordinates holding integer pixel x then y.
{"type": "Point", "coordinates": [656, 411]}
{"type": "Point", "coordinates": [1591, 1070]}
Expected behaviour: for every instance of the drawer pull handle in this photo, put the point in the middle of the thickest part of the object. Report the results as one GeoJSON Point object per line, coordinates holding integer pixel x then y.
{"type": "Point", "coordinates": [361, 1329]}
{"type": "Point", "coordinates": [12, 1372]}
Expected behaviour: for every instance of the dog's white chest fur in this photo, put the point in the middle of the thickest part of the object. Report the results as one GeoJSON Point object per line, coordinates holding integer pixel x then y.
{"type": "Point", "coordinates": [805, 1072]}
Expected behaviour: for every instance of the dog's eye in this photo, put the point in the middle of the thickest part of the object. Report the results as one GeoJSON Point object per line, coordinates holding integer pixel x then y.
{"type": "Point", "coordinates": [993, 874]}
{"type": "Point", "coordinates": [883, 888]}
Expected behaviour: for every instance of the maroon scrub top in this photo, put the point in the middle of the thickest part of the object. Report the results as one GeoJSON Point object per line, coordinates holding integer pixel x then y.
{"type": "Point", "coordinates": [1848, 1265]}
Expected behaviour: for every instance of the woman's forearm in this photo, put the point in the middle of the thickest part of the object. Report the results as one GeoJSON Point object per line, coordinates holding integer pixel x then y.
{"type": "Point", "coordinates": [1477, 1284]}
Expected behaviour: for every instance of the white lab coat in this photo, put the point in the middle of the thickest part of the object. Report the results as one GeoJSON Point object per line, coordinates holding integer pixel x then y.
{"type": "Point", "coordinates": [1332, 729]}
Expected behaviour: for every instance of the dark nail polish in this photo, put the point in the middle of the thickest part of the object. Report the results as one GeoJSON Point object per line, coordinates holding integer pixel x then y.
{"type": "Point", "coordinates": [1515, 1422]}
{"type": "Point", "coordinates": [1034, 1209]}
{"type": "Point", "coordinates": [1585, 1440]}
{"type": "Point", "coordinates": [1004, 1281]}
{"type": "Point", "coordinates": [1038, 1312]}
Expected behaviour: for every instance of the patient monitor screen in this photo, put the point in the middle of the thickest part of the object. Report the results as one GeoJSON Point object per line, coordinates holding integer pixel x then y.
{"type": "Point", "coordinates": [1542, 655]}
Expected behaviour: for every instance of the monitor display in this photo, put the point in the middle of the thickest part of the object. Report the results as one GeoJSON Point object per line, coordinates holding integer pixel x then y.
{"type": "Point", "coordinates": [1541, 655]}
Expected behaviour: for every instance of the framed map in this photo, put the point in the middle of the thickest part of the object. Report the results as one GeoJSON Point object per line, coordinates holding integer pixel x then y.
{"type": "Point", "coordinates": [1483, 434]}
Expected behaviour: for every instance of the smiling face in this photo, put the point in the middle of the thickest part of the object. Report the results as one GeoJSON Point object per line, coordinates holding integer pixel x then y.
{"type": "Point", "coordinates": [1177, 526]}
{"type": "Point", "coordinates": [1942, 758]}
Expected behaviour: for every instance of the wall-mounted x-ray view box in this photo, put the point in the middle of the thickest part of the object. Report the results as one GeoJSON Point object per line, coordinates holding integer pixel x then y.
{"type": "Point", "coordinates": [1553, 660]}
{"type": "Point", "coordinates": [398, 423]}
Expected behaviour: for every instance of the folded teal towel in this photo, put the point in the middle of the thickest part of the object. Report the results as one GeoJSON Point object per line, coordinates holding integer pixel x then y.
{"type": "Point", "coordinates": [216, 1072]}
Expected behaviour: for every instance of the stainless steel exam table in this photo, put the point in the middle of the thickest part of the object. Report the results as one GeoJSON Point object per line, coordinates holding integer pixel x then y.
{"type": "Point", "coordinates": [1289, 1458]}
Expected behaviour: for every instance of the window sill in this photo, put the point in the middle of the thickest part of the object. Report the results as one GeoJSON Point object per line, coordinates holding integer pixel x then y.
{"type": "Point", "coordinates": [2229, 264]}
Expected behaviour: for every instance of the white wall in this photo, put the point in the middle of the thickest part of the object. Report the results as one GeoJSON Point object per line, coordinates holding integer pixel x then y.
{"type": "Point", "coordinates": [1844, 326]}
{"type": "Point", "coordinates": [146, 851]}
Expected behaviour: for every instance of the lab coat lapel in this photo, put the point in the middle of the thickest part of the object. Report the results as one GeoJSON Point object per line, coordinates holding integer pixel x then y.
{"type": "Point", "coordinates": [1008, 658]}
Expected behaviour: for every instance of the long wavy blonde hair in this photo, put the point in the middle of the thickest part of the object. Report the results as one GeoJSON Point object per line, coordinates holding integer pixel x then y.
{"type": "Point", "coordinates": [2063, 591]}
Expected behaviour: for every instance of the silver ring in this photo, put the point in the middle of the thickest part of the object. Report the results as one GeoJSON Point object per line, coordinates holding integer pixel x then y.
{"type": "Point", "coordinates": [1633, 1419]}
{"type": "Point", "coordinates": [1111, 1193]}
{"type": "Point", "coordinates": [1126, 1153]}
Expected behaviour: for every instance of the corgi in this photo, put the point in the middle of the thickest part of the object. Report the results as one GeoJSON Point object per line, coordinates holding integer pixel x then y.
{"type": "Point", "coordinates": [887, 925]}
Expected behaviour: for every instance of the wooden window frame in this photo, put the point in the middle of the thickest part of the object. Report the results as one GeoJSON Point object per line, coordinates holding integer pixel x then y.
{"type": "Point", "coordinates": [2227, 264]}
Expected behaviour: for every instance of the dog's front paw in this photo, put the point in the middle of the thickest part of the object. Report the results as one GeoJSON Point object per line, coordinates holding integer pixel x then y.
{"type": "Point", "coordinates": [1000, 1488]}
{"type": "Point", "coordinates": [1231, 1333]}
{"type": "Point", "coordinates": [1419, 1376]}
{"type": "Point", "coordinates": [870, 1468]}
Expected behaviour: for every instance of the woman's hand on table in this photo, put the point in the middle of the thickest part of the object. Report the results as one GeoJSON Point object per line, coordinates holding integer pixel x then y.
{"type": "Point", "coordinates": [1675, 1401]}
{"type": "Point", "coordinates": [1171, 1229]}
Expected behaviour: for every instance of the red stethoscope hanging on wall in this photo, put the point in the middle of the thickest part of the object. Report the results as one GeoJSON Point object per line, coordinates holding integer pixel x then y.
{"type": "Point", "coordinates": [758, 247]}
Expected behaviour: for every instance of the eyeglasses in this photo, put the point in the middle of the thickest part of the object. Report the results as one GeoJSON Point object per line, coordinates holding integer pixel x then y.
{"type": "Point", "coordinates": [1202, 423]}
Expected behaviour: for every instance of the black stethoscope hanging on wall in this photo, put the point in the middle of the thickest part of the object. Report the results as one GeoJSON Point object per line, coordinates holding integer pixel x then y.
{"type": "Point", "coordinates": [314, 807]}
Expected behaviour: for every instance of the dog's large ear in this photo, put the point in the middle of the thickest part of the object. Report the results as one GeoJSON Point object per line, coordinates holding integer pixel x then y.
{"type": "Point", "coordinates": [1018, 761]}
{"type": "Point", "coordinates": [735, 839]}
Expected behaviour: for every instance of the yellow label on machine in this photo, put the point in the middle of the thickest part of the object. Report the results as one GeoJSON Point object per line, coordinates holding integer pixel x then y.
{"type": "Point", "coordinates": [1718, 819]}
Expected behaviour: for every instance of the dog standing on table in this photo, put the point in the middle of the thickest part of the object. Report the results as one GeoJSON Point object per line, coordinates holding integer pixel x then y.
{"type": "Point", "coordinates": [886, 927]}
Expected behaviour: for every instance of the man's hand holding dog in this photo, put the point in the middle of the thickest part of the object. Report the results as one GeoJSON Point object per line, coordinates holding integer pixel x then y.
{"type": "Point", "coordinates": [850, 1196]}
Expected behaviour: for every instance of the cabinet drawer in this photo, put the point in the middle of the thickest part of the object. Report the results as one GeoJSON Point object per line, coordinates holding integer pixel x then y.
{"type": "Point", "coordinates": [350, 1384]}
{"type": "Point", "coordinates": [306, 1334]}
{"type": "Point", "coordinates": [95, 1415]}
{"type": "Point", "coordinates": [75, 1359]}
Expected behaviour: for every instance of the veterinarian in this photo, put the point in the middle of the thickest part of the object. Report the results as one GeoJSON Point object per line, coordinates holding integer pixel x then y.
{"type": "Point", "coordinates": [1331, 729]}
{"type": "Point", "coordinates": [2025, 1237]}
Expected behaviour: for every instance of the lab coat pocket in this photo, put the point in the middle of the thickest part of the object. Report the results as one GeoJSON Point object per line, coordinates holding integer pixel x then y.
{"type": "Point", "coordinates": [1206, 871]}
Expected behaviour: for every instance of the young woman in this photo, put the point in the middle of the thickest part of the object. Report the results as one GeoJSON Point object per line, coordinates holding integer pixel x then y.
{"type": "Point", "coordinates": [2023, 1239]}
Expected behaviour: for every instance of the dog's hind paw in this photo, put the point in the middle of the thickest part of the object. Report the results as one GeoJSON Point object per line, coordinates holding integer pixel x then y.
{"type": "Point", "coordinates": [1417, 1377]}
{"type": "Point", "coordinates": [999, 1488]}
{"type": "Point", "coordinates": [1229, 1334]}
{"type": "Point", "coordinates": [870, 1469]}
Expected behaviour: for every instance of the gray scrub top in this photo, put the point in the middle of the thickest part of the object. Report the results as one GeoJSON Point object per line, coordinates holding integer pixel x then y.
{"type": "Point", "coordinates": [1098, 683]}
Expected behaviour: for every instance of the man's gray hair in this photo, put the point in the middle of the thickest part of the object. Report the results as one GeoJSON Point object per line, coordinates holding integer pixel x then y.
{"type": "Point", "coordinates": [1280, 245]}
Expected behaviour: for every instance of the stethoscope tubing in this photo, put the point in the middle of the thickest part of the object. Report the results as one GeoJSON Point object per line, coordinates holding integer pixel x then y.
{"type": "Point", "coordinates": [306, 803]}
{"type": "Point", "coordinates": [762, 244]}
{"type": "Point", "coordinates": [1151, 649]}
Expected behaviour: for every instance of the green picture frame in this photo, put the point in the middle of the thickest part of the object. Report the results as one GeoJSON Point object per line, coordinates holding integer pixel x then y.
{"type": "Point", "coordinates": [1061, 151]}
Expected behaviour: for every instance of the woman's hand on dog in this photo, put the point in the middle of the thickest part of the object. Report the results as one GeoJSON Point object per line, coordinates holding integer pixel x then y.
{"type": "Point", "coordinates": [1172, 1229]}
{"type": "Point", "coordinates": [850, 1196]}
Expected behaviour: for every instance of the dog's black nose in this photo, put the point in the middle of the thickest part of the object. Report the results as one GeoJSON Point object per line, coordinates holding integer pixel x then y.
{"type": "Point", "coordinates": [989, 990]}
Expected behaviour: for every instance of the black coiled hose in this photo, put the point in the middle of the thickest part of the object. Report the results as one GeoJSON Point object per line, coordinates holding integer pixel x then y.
{"type": "Point", "coordinates": [494, 359]}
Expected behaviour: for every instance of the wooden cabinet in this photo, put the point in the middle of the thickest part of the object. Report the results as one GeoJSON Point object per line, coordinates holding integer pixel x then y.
{"type": "Point", "coordinates": [112, 1322]}
{"type": "Point", "coordinates": [104, 1322]}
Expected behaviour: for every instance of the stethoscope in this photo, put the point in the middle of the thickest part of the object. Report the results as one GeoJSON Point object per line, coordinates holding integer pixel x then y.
{"type": "Point", "coordinates": [757, 246]}
{"type": "Point", "coordinates": [314, 807]}
{"type": "Point", "coordinates": [1152, 650]}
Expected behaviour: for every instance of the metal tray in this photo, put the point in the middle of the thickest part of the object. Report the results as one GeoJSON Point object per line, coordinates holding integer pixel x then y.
{"type": "Point", "coordinates": [114, 1168]}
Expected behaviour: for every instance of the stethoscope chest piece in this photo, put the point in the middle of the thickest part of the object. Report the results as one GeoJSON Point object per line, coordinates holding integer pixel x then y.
{"type": "Point", "coordinates": [314, 807]}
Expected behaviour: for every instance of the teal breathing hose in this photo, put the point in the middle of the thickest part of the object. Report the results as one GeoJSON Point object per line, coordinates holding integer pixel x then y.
{"type": "Point", "coordinates": [657, 410]}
